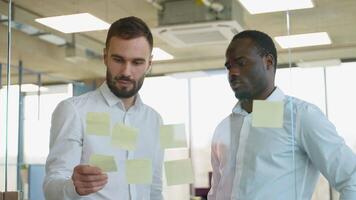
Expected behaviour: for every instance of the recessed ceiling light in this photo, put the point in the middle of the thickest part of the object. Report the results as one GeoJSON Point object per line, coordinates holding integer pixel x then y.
{"type": "Point", "coordinates": [265, 6]}
{"type": "Point", "coordinates": [56, 40]}
{"type": "Point", "coordinates": [159, 54]}
{"type": "Point", "coordinates": [303, 40]}
{"type": "Point", "coordinates": [74, 23]}
{"type": "Point", "coordinates": [320, 63]}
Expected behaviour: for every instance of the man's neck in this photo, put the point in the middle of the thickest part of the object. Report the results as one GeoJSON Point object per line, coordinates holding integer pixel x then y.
{"type": "Point", "coordinates": [128, 102]}
{"type": "Point", "coordinates": [246, 104]}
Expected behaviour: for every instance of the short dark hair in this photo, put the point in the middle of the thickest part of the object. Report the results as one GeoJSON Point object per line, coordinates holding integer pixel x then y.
{"type": "Point", "coordinates": [263, 43]}
{"type": "Point", "coordinates": [129, 28]}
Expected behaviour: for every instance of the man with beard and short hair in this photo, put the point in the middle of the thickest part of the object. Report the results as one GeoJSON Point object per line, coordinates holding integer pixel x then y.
{"type": "Point", "coordinates": [251, 163]}
{"type": "Point", "coordinates": [128, 58]}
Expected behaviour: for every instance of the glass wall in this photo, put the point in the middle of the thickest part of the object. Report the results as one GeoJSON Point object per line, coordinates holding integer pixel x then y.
{"type": "Point", "coordinates": [12, 139]}
{"type": "Point", "coordinates": [212, 100]}
{"type": "Point", "coordinates": [37, 121]}
{"type": "Point", "coordinates": [341, 84]}
{"type": "Point", "coordinates": [200, 103]}
{"type": "Point", "coordinates": [169, 96]}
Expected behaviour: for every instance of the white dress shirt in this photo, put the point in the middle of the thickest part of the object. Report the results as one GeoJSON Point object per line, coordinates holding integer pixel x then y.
{"type": "Point", "coordinates": [280, 163]}
{"type": "Point", "coordinates": [71, 146]}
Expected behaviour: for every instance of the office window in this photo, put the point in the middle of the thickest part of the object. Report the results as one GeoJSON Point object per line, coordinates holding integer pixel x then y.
{"type": "Point", "coordinates": [212, 101]}
{"type": "Point", "coordinates": [341, 85]}
{"type": "Point", "coordinates": [304, 83]}
{"type": "Point", "coordinates": [37, 121]}
{"type": "Point", "coordinates": [169, 97]}
{"type": "Point", "coordinates": [13, 119]}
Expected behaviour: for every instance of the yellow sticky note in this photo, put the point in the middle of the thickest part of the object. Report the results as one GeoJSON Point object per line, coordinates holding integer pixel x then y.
{"type": "Point", "coordinates": [172, 136]}
{"type": "Point", "coordinates": [124, 137]}
{"type": "Point", "coordinates": [104, 162]}
{"type": "Point", "coordinates": [139, 171]}
{"type": "Point", "coordinates": [267, 114]}
{"type": "Point", "coordinates": [179, 172]}
{"type": "Point", "coordinates": [98, 123]}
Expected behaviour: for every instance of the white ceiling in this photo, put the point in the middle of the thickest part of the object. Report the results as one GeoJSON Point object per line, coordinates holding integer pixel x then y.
{"type": "Point", "coordinates": [335, 17]}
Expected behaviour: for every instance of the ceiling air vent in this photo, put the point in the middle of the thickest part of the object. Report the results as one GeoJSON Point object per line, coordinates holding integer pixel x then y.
{"type": "Point", "coordinates": [187, 35]}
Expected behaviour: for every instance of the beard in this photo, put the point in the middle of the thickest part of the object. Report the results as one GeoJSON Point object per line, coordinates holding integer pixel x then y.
{"type": "Point", "coordinates": [241, 88]}
{"type": "Point", "coordinates": [123, 92]}
{"type": "Point", "coordinates": [243, 95]}
{"type": "Point", "coordinates": [248, 88]}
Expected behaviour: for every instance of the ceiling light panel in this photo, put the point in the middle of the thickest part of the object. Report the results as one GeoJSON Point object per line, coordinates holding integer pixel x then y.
{"type": "Point", "coordinates": [320, 63]}
{"type": "Point", "coordinates": [74, 23]}
{"type": "Point", "coordinates": [303, 40]}
{"type": "Point", "coordinates": [266, 6]}
{"type": "Point", "coordinates": [159, 54]}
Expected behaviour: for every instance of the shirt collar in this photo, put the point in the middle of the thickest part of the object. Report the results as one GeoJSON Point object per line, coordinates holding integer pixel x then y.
{"type": "Point", "coordinates": [276, 95]}
{"type": "Point", "coordinates": [111, 99]}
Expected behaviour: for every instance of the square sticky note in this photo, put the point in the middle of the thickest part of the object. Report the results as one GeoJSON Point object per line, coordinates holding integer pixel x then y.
{"type": "Point", "coordinates": [267, 114]}
{"type": "Point", "coordinates": [98, 123]}
{"type": "Point", "coordinates": [124, 137]}
{"type": "Point", "coordinates": [139, 171]}
{"type": "Point", "coordinates": [179, 172]}
{"type": "Point", "coordinates": [172, 136]}
{"type": "Point", "coordinates": [104, 162]}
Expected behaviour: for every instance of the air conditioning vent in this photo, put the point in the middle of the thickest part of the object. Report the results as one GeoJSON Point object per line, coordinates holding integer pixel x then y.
{"type": "Point", "coordinates": [187, 35]}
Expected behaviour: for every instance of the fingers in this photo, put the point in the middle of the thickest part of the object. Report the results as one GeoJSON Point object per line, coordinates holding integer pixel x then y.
{"type": "Point", "coordinates": [87, 191]}
{"type": "Point", "coordinates": [84, 184]}
{"type": "Point", "coordinates": [88, 179]}
{"type": "Point", "coordinates": [87, 169]}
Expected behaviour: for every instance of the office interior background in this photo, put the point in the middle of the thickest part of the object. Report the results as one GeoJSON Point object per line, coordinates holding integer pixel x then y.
{"type": "Point", "coordinates": [188, 84]}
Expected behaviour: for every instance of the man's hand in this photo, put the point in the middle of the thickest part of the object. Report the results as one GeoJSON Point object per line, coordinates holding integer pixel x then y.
{"type": "Point", "coordinates": [88, 179]}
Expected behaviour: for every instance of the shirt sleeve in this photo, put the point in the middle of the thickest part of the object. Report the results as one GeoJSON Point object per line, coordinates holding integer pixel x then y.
{"type": "Point", "coordinates": [216, 172]}
{"type": "Point", "coordinates": [156, 186]}
{"type": "Point", "coordinates": [64, 154]}
{"type": "Point", "coordinates": [328, 151]}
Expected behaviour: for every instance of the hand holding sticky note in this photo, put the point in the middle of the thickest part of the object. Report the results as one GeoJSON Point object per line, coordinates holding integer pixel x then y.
{"type": "Point", "coordinates": [172, 136]}
{"type": "Point", "coordinates": [98, 123]}
{"type": "Point", "coordinates": [124, 137]}
{"type": "Point", "coordinates": [139, 171]}
{"type": "Point", "coordinates": [179, 172]}
{"type": "Point", "coordinates": [104, 162]}
{"type": "Point", "coordinates": [267, 114]}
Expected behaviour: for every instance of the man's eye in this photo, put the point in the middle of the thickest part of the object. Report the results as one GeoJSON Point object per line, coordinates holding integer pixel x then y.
{"type": "Point", "coordinates": [235, 64]}
{"type": "Point", "coordinates": [118, 60]}
{"type": "Point", "coordinates": [241, 63]}
{"type": "Point", "coordinates": [138, 62]}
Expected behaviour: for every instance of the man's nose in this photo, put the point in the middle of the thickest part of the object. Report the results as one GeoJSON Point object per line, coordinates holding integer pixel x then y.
{"type": "Point", "coordinates": [234, 71]}
{"type": "Point", "coordinates": [126, 69]}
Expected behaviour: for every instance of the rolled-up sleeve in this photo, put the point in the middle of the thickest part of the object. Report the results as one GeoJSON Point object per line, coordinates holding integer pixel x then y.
{"type": "Point", "coordinates": [328, 151]}
{"type": "Point", "coordinates": [65, 153]}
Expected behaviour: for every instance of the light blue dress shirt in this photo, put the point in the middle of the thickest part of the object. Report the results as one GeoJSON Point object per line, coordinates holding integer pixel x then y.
{"type": "Point", "coordinates": [70, 146]}
{"type": "Point", "coordinates": [252, 163]}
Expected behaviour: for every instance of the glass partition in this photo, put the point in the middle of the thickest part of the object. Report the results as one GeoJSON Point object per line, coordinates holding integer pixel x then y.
{"type": "Point", "coordinates": [200, 103]}
{"type": "Point", "coordinates": [169, 96]}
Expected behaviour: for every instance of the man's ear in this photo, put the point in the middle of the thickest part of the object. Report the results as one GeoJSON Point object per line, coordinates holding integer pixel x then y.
{"type": "Point", "coordinates": [105, 57]}
{"type": "Point", "coordinates": [269, 61]}
{"type": "Point", "coordinates": [149, 68]}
